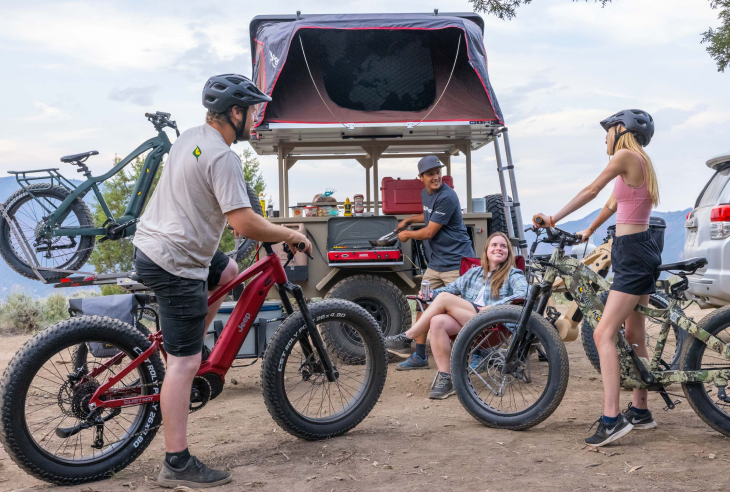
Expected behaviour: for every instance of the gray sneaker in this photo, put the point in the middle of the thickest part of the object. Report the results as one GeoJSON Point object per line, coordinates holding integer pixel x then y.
{"type": "Point", "coordinates": [399, 344]}
{"type": "Point", "coordinates": [645, 421]}
{"type": "Point", "coordinates": [443, 389]}
{"type": "Point", "coordinates": [194, 475]}
{"type": "Point", "coordinates": [413, 362]}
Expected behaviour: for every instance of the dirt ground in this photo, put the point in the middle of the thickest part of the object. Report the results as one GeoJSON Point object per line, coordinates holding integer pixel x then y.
{"type": "Point", "coordinates": [409, 442]}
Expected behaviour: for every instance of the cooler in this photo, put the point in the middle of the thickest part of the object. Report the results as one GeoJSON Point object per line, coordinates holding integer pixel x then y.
{"type": "Point", "coordinates": [259, 335]}
{"type": "Point", "coordinates": [403, 196]}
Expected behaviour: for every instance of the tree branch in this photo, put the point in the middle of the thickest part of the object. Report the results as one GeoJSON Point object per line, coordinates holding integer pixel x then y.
{"type": "Point", "coordinates": [719, 39]}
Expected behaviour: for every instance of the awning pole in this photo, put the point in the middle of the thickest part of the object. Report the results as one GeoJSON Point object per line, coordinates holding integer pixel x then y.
{"type": "Point", "coordinates": [467, 153]}
{"type": "Point", "coordinates": [376, 195]}
{"type": "Point", "coordinates": [283, 212]}
{"type": "Point", "coordinates": [367, 187]}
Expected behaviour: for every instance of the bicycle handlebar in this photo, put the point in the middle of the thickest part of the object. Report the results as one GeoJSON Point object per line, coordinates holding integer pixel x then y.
{"type": "Point", "coordinates": [161, 120]}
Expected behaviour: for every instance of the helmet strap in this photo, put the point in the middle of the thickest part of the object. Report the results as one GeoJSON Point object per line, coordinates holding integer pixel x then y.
{"type": "Point", "coordinates": [238, 133]}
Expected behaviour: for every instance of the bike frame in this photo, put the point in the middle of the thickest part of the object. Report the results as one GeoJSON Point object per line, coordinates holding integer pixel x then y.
{"type": "Point", "coordinates": [267, 272]}
{"type": "Point", "coordinates": [159, 146]}
{"type": "Point", "coordinates": [636, 372]}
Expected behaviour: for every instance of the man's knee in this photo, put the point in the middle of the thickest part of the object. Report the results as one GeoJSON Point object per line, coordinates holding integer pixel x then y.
{"type": "Point", "coordinates": [601, 336]}
{"type": "Point", "coordinates": [229, 273]}
{"type": "Point", "coordinates": [185, 365]}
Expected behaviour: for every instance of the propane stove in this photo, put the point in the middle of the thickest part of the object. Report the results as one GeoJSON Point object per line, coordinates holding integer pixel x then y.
{"type": "Point", "coordinates": [348, 241]}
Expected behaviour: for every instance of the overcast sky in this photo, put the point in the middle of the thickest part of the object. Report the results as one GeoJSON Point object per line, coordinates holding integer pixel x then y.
{"type": "Point", "coordinates": [78, 76]}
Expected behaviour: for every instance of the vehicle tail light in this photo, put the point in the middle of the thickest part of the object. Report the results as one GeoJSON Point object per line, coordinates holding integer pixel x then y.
{"type": "Point", "coordinates": [720, 222]}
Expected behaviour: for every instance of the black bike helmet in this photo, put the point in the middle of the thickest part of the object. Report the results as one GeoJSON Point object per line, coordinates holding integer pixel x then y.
{"type": "Point", "coordinates": [636, 121]}
{"type": "Point", "coordinates": [223, 91]}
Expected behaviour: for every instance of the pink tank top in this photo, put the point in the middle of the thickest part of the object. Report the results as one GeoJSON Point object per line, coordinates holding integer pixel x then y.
{"type": "Point", "coordinates": [634, 204]}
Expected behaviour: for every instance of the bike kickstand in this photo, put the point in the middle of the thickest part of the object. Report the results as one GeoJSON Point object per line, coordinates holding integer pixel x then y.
{"type": "Point", "coordinates": [670, 404]}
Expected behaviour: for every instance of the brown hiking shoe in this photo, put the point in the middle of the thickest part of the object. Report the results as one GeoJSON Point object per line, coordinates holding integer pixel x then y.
{"type": "Point", "coordinates": [194, 474]}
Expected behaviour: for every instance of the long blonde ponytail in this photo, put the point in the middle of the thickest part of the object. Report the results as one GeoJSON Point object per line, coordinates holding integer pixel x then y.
{"type": "Point", "coordinates": [628, 141]}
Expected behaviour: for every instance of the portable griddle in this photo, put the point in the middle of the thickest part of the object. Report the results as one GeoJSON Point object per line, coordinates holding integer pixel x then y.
{"type": "Point", "coordinates": [348, 241]}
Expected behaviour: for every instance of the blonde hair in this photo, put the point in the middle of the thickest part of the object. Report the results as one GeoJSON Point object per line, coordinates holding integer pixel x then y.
{"type": "Point", "coordinates": [628, 141]}
{"type": "Point", "coordinates": [500, 274]}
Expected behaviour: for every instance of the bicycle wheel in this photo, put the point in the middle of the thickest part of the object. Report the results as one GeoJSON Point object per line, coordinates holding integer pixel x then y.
{"type": "Point", "coordinates": [296, 391]}
{"type": "Point", "coordinates": [44, 401]}
{"type": "Point", "coordinates": [703, 397]}
{"type": "Point", "coordinates": [672, 349]}
{"type": "Point", "coordinates": [28, 215]}
{"type": "Point", "coordinates": [516, 398]}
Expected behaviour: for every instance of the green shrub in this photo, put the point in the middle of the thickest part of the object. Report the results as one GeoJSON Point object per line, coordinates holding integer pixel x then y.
{"type": "Point", "coordinates": [55, 309]}
{"type": "Point", "coordinates": [21, 313]}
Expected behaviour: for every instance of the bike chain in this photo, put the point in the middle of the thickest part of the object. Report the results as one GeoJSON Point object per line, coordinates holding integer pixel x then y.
{"type": "Point", "coordinates": [144, 431]}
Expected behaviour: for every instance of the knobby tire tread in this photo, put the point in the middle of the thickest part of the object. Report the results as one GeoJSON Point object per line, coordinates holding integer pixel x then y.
{"type": "Point", "coordinates": [85, 219]}
{"type": "Point", "coordinates": [276, 348]}
{"type": "Point", "coordinates": [562, 355]}
{"type": "Point", "coordinates": [11, 385]}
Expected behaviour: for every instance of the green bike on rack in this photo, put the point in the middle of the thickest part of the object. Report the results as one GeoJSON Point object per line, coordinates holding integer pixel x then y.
{"type": "Point", "coordinates": [47, 231]}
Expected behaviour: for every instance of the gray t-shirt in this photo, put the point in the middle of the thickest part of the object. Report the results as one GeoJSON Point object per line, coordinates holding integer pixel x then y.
{"type": "Point", "coordinates": [184, 220]}
{"type": "Point", "coordinates": [451, 243]}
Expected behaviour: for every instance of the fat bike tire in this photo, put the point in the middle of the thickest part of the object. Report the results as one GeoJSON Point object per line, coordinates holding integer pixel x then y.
{"type": "Point", "coordinates": [14, 256]}
{"type": "Point", "coordinates": [293, 382]}
{"type": "Point", "coordinates": [702, 397]}
{"type": "Point", "coordinates": [548, 352]}
{"type": "Point", "coordinates": [15, 389]}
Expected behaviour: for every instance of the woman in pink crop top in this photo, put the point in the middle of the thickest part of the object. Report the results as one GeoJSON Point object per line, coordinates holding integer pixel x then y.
{"type": "Point", "coordinates": [634, 258]}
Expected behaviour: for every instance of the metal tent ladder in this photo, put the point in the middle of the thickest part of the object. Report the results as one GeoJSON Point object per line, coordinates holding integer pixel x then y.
{"type": "Point", "coordinates": [512, 204]}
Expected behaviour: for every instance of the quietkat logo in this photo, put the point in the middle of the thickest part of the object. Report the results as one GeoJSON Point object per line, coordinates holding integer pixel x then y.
{"type": "Point", "coordinates": [274, 59]}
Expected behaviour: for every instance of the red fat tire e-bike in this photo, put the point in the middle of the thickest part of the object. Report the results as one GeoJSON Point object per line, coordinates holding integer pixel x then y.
{"type": "Point", "coordinates": [80, 400]}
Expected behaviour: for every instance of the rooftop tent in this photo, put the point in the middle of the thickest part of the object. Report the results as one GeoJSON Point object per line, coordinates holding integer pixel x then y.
{"type": "Point", "coordinates": [372, 68]}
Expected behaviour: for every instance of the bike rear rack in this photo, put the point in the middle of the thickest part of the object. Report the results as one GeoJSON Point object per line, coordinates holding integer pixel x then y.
{"type": "Point", "coordinates": [24, 178]}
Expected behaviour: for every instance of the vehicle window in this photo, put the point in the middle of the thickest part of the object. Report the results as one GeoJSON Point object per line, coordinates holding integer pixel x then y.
{"type": "Point", "coordinates": [714, 188]}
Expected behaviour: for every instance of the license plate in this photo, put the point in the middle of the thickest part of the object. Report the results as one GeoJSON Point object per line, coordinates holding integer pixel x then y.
{"type": "Point", "coordinates": [691, 238]}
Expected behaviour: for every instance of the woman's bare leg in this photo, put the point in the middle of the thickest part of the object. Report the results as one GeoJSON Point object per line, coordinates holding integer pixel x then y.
{"type": "Point", "coordinates": [618, 308]}
{"type": "Point", "coordinates": [445, 303]}
{"type": "Point", "coordinates": [443, 327]}
{"type": "Point", "coordinates": [636, 336]}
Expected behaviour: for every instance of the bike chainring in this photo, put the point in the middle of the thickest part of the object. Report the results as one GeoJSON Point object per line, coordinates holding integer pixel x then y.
{"type": "Point", "coordinates": [215, 382]}
{"type": "Point", "coordinates": [200, 394]}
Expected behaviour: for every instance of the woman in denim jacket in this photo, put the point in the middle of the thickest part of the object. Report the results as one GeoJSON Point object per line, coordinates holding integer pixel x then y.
{"type": "Point", "coordinates": [497, 281]}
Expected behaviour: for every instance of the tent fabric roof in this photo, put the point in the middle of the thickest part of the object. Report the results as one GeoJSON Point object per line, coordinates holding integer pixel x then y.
{"type": "Point", "coordinates": [272, 38]}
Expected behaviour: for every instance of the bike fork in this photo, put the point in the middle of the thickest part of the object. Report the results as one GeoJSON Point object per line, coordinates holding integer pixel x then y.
{"type": "Point", "coordinates": [329, 369]}
{"type": "Point", "coordinates": [519, 335]}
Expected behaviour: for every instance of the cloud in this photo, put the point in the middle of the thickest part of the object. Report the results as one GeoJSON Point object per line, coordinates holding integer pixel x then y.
{"type": "Point", "coordinates": [45, 112]}
{"type": "Point", "coordinates": [141, 96]}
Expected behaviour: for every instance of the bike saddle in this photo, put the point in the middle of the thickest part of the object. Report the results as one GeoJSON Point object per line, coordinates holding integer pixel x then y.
{"type": "Point", "coordinates": [78, 157]}
{"type": "Point", "coordinates": [689, 265]}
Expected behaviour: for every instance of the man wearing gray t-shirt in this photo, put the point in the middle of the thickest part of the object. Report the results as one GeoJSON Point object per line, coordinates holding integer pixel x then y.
{"type": "Point", "coordinates": [201, 187]}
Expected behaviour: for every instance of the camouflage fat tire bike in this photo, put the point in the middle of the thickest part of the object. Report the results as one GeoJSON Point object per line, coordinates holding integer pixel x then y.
{"type": "Point", "coordinates": [498, 395]}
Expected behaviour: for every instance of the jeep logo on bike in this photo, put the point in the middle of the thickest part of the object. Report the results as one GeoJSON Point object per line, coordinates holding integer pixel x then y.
{"type": "Point", "coordinates": [243, 323]}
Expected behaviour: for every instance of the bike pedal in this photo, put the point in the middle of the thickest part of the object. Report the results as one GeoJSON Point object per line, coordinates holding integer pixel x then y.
{"type": "Point", "coordinates": [673, 404]}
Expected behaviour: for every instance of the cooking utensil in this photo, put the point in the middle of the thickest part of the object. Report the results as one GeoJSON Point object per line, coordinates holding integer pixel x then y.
{"type": "Point", "coordinates": [388, 240]}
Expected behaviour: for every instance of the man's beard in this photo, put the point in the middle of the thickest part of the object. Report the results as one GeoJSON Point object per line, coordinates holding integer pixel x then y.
{"type": "Point", "coordinates": [241, 134]}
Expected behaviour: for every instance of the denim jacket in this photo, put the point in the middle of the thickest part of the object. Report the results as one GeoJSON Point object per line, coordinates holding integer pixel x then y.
{"type": "Point", "coordinates": [470, 284]}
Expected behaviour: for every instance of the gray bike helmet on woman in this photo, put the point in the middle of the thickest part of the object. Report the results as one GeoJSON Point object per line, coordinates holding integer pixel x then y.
{"type": "Point", "coordinates": [222, 92]}
{"type": "Point", "coordinates": [636, 121]}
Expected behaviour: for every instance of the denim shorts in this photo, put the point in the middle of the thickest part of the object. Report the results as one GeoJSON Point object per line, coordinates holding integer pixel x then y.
{"type": "Point", "coordinates": [634, 259]}
{"type": "Point", "coordinates": [183, 302]}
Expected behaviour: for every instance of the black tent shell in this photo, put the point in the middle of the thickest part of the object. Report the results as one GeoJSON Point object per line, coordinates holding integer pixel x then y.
{"type": "Point", "coordinates": [372, 69]}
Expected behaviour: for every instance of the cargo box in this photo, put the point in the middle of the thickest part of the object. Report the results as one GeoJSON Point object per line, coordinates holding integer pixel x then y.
{"type": "Point", "coordinates": [403, 196]}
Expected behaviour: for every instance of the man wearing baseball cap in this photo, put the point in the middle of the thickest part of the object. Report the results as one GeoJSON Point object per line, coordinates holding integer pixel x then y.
{"type": "Point", "coordinates": [446, 242]}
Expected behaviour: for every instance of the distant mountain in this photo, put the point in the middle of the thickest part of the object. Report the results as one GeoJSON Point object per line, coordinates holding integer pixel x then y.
{"type": "Point", "coordinates": [673, 234]}
{"type": "Point", "coordinates": [10, 279]}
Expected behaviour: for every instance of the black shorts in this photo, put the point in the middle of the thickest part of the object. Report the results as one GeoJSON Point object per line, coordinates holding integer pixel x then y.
{"type": "Point", "coordinates": [183, 302]}
{"type": "Point", "coordinates": [635, 258]}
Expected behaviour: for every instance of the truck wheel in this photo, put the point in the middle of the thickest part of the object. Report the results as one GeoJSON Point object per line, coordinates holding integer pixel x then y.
{"type": "Point", "coordinates": [495, 206]}
{"type": "Point", "coordinates": [382, 299]}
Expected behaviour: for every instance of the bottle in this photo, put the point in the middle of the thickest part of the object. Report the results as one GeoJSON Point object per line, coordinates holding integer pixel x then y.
{"type": "Point", "coordinates": [348, 208]}
{"type": "Point", "coordinates": [358, 208]}
{"type": "Point", "coordinates": [262, 201]}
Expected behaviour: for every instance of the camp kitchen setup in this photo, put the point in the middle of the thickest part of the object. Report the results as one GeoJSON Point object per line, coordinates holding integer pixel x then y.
{"type": "Point", "coordinates": [361, 88]}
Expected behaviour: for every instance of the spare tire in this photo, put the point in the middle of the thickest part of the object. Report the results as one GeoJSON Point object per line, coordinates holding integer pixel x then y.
{"type": "Point", "coordinates": [381, 298]}
{"type": "Point", "coordinates": [495, 206]}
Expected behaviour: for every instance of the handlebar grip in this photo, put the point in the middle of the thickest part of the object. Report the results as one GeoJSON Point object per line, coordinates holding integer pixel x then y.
{"type": "Point", "coordinates": [301, 246]}
{"type": "Point", "coordinates": [538, 220]}
{"type": "Point", "coordinates": [148, 115]}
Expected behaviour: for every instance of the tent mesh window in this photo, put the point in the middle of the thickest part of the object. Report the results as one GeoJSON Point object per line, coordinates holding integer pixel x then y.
{"type": "Point", "coordinates": [394, 73]}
